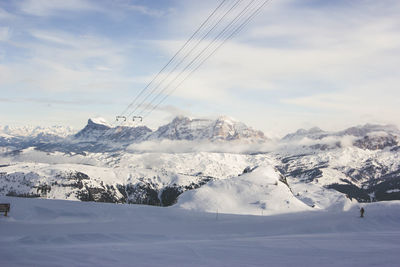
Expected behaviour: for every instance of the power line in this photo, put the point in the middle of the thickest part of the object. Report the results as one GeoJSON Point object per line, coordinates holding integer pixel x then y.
{"type": "Point", "coordinates": [237, 30]}
{"type": "Point", "coordinates": [200, 54]}
{"type": "Point", "coordinates": [173, 58]}
{"type": "Point", "coordinates": [184, 58]}
{"type": "Point", "coordinates": [221, 34]}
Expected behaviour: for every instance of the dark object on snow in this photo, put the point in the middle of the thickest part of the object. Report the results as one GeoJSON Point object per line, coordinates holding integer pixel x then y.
{"type": "Point", "coordinates": [362, 212]}
{"type": "Point", "coordinates": [5, 207]}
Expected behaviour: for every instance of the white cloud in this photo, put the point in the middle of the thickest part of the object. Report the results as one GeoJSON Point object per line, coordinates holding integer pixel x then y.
{"type": "Point", "coordinates": [5, 15]}
{"type": "Point", "coordinates": [341, 61]}
{"type": "Point", "coordinates": [4, 33]}
{"type": "Point", "coordinates": [183, 146]}
{"type": "Point", "coordinates": [337, 61]}
{"type": "Point", "coordinates": [59, 61]}
{"type": "Point", "coordinates": [51, 7]}
{"type": "Point", "coordinates": [148, 11]}
{"type": "Point", "coordinates": [57, 38]}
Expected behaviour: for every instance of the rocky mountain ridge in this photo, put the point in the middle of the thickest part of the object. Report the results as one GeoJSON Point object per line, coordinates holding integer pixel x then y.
{"type": "Point", "coordinates": [180, 128]}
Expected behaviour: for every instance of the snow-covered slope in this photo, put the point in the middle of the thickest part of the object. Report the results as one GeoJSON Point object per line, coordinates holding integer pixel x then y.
{"type": "Point", "coordinates": [65, 233]}
{"type": "Point", "coordinates": [145, 178]}
{"type": "Point", "coordinates": [262, 191]}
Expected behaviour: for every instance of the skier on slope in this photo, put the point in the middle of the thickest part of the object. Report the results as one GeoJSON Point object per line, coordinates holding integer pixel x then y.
{"type": "Point", "coordinates": [362, 212]}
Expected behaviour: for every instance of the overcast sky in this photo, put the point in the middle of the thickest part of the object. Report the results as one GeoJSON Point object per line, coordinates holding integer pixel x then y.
{"type": "Point", "coordinates": [300, 63]}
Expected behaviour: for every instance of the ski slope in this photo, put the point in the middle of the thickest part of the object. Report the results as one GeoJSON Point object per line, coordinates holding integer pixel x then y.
{"type": "Point", "coordinates": [42, 232]}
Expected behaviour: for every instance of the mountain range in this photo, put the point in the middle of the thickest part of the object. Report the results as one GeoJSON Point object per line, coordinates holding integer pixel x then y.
{"type": "Point", "coordinates": [307, 169]}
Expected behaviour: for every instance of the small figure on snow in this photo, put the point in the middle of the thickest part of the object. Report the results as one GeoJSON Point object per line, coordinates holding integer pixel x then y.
{"type": "Point", "coordinates": [362, 212]}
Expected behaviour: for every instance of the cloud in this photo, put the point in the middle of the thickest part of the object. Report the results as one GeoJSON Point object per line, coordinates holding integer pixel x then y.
{"type": "Point", "coordinates": [298, 64]}
{"type": "Point", "coordinates": [50, 101]}
{"type": "Point", "coordinates": [4, 33]}
{"type": "Point", "coordinates": [5, 15]}
{"type": "Point", "coordinates": [172, 111]}
{"type": "Point", "coordinates": [115, 8]}
{"type": "Point", "coordinates": [53, 7]}
{"type": "Point", "coordinates": [297, 57]}
{"type": "Point", "coordinates": [55, 38]}
{"type": "Point", "coordinates": [61, 61]}
{"type": "Point", "coordinates": [6, 100]}
{"type": "Point", "coordinates": [183, 146]}
{"type": "Point", "coordinates": [149, 11]}
{"type": "Point", "coordinates": [53, 158]}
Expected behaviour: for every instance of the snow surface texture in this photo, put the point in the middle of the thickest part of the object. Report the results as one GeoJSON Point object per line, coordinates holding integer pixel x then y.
{"type": "Point", "coordinates": [65, 233]}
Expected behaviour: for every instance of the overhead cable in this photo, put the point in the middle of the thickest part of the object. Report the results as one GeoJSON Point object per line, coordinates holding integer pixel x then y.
{"type": "Point", "coordinates": [237, 30]}
{"type": "Point", "coordinates": [171, 72]}
{"type": "Point", "coordinates": [175, 56]}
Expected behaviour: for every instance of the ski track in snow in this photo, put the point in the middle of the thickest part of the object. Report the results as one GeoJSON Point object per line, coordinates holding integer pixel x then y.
{"type": "Point", "coordinates": [63, 233]}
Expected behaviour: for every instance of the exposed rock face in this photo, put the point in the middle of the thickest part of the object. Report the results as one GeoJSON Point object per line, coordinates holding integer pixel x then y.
{"type": "Point", "coordinates": [368, 136]}
{"type": "Point", "coordinates": [99, 131]}
{"type": "Point", "coordinates": [350, 172]}
{"type": "Point", "coordinates": [92, 130]}
{"type": "Point", "coordinates": [222, 129]}
{"type": "Point", "coordinates": [104, 137]}
{"type": "Point", "coordinates": [361, 131]}
{"type": "Point", "coordinates": [377, 142]}
{"type": "Point", "coordinates": [77, 185]}
{"type": "Point", "coordinates": [313, 133]}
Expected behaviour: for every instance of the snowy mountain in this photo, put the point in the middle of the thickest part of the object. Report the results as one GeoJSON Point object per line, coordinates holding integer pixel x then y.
{"type": "Point", "coordinates": [314, 169]}
{"type": "Point", "coordinates": [222, 129]}
{"type": "Point", "coordinates": [29, 136]}
{"type": "Point", "coordinates": [181, 128]}
{"type": "Point", "coordinates": [32, 132]}
{"type": "Point", "coordinates": [98, 130]}
{"type": "Point", "coordinates": [369, 136]}
{"type": "Point", "coordinates": [312, 133]}
{"type": "Point", "coordinates": [368, 129]}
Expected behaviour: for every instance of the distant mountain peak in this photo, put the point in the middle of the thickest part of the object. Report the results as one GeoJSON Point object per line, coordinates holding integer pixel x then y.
{"type": "Point", "coordinates": [98, 121]}
{"type": "Point", "coordinates": [312, 133]}
{"type": "Point", "coordinates": [34, 131]}
{"type": "Point", "coordinates": [181, 119]}
{"type": "Point", "coordinates": [221, 129]}
{"type": "Point", "coordinates": [227, 119]}
{"type": "Point", "coordinates": [363, 130]}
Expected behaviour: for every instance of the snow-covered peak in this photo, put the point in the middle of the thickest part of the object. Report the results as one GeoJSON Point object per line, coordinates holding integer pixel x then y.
{"type": "Point", "coordinates": [98, 121]}
{"type": "Point", "coordinates": [94, 129]}
{"type": "Point", "coordinates": [34, 131]}
{"type": "Point", "coordinates": [98, 130]}
{"type": "Point", "coordinates": [226, 119]}
{"type": "Point", "coordinates": [367, 129]}
{"type": "Point", "coordinates": [312, 133]}
{"type": "Point", "coordinates": [221, 129]}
